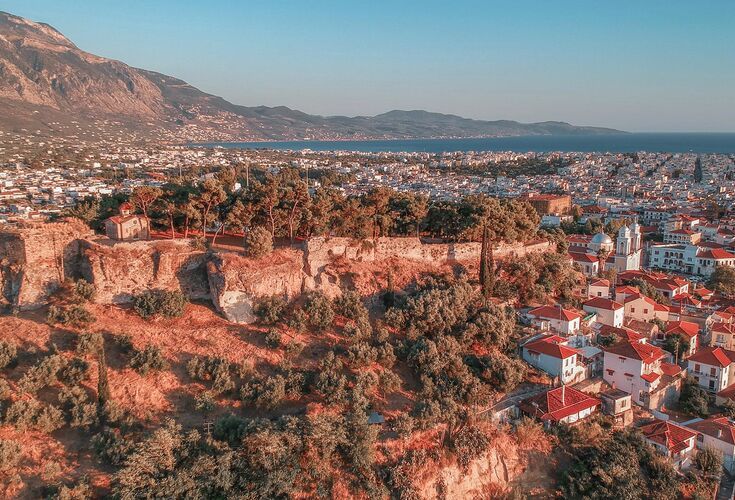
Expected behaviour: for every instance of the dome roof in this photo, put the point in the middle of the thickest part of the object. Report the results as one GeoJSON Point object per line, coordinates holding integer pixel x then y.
{"type": "Point", "coordinates": [624, 231]}
{"type": "Point", "coordinates": [601, 239]}
{"type": "Point", "coordinates": [635, 227]}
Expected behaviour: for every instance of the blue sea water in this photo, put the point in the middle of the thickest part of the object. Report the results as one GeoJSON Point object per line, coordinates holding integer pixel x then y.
{"type": "Point", "coordinates": [611, 143]}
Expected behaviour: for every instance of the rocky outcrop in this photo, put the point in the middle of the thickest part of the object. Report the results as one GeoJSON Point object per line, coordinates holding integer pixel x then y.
{"type": "Point", "coordinates": [35, 259]}
{"type": "Point", "coordinates": [236, 283]}
{"type": "Point", "coordinates": [123, 269]}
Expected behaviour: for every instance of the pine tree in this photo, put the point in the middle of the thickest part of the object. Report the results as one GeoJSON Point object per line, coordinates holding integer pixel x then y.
{"type": "Point", "coordinates": [487, 265]}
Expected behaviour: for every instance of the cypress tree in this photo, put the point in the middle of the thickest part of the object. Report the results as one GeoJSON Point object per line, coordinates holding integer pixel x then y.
{"type": "Point", "coordinates": [487, 264]}
{"type": "Point", "coordinates": [103, 384]}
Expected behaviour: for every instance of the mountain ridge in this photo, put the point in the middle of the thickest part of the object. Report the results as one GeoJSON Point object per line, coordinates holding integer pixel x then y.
{"type": "Point", "coordinates": [51, 87]}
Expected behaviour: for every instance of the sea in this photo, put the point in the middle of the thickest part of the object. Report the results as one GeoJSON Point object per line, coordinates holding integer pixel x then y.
{"type": "Point", "coordinates": [599, 143]}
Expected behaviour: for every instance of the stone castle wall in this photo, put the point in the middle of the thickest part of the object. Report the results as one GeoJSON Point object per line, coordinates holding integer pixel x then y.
{"type": "Point", "coordinates": [34, 262]}
{"type": "Point", "coordinates": [36, 258]}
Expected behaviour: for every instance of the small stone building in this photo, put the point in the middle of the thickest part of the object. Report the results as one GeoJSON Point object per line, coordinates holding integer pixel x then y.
{"type": "Point", "coordinates": [127, 226]}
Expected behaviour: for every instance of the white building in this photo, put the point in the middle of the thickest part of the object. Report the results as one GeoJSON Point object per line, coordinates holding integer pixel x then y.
{"type": "Point", "coordinates": [556, 318]}
{"type": "Point", "coordinates": [608, 311]}
{"type": "Point", "coordinates": [550, 354]}
{"type": "Point", "coordinates": [712, 368]}
{"type": "Point", "coordinates": [717, 433]}
{"type": "Point", "coordinates": [638, 369]}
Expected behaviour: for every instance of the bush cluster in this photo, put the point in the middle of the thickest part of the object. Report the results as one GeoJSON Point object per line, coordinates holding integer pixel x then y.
{"type": "Point", "coordinates": [73, 315]}
{"type": "Point", "coordinates": [318, 309]}
{"type": "Point", "coordinates": [258, 242]}
{"type": "Point", "coordinates": [270, 309]}
{"type": "Point", "coordinates": [8, 353]}
{"type": "Point", "coordinates": [148, 359]}
{"type": "Point", "coordinates": [166, 303]}
{"type": "Point", "coordinates": [212, 368]}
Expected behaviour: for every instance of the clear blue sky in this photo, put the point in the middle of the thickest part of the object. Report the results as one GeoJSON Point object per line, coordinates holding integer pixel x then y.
{"type": "Point", "coordinates": [638, 65]}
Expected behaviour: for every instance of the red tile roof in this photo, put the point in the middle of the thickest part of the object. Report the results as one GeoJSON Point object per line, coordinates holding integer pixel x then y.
{"type": "Point", "coordinates": [713, 356]}
{"type": "Point", "coordinates": [673, 437]}
{"type": "Point", "coordinates": [558, 403]}
{"type": "Point", "coordinates": [718, 427]}
{"type": "Point", "coordinates": [715, 253]}
{"type": "Point", "coordinates": [583, 257]}
{"type": "Point", "coordinates": [670, 369]}
{"type": "Point", "coordinates": [601, 282]}
{"type": "Point", "coordinates": [636, 350]}
{"type": "Point", "coordinates": [686, 328]}
{"type": "Point", "coordinates": [602, 303]}
{"type": "Point", "coordinates": [554, 312]}
{"type": "Point", "coordinates": [551, 348]}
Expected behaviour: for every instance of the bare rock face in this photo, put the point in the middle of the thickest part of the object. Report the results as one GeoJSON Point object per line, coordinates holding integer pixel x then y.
{"type": "Point", "coordinates": [122, 269]}
{"type": "Point", "coordinates": [36, 258]}
{"type": "Point", "coordinates": [236, 283]}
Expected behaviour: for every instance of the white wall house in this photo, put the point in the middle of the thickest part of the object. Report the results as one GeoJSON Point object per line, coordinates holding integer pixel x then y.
{"type": "Point", "coordinates": [638, 369]}
{"type": "Point", "coordinates": [712, 368]}
{"type": "Point", "coordinates": [598, 288]}
{"type": "Point", "coordinates": [608, 311]}
{"type": "Point", "coordinates": [717, 433]}
{"type": "Point", "coordinates": [560, 320]}
{"type": "Point", "coordinates": [551, 355]}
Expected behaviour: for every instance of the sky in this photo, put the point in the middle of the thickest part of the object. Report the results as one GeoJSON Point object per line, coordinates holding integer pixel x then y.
{"type": "Point", "coordinates": [635, 65]}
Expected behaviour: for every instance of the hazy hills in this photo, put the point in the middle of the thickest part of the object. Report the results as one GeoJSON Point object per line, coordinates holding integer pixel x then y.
{"type": "Point", "coordinates": [49, 85]}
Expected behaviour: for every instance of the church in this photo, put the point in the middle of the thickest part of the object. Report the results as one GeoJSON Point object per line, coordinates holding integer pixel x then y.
{"type": "Point", "coordinates": [127, 226]}
{"type": "Point", "coordinates": [624, 254]}
{"type": "Point", "coordinates": [627, 256]}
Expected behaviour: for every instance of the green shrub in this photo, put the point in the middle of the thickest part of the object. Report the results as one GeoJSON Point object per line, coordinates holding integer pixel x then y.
{"type": "Point", "coordinates": [350, 305]}
{"type": "Point", "coordinates": [80, 412]}
{"type": "Point", "coordinates": [8, 353]}
{"type": "Point", "coordinates": [273, 338]}
{"type": "Point", "coordinates": [73, 315]}
{"type": "Point", "coordinates": [319, 309]}
{"type": "Point", "coordinates": [211, 368]}
{"type": "Point", "coordinates": [84, 291]}
{"type": "Point", "coordinates": [265, 393]}
{"type": "Point", "coordinates": [205, 402]}
{"type": "Point", "coordinates": [10, 455]}
{"type": "Point", "coordinates": [73, 372]}
{"type": "Point", "coordinates": [166, 303]}
{"type": "Point", "coordinates": [89, 344]}
{"type": "Point", "coordinates": [270, 309]}
{"type": "Point", "coordinates": [42, 374]}
{"type": "Point", "coordinates": [27, 414]}
{"type": "Point", "coordinates": [148, 359]}
{"type": "Point", "coordinates": [258, 242]}
{"type": "Point", "coordinates": [298, 320]}
{"type": "Point", "coordinates": [111, 447]}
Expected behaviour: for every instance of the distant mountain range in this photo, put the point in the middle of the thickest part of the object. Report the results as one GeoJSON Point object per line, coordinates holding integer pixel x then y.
{"type": "Point", "coordinates": [51, 87]}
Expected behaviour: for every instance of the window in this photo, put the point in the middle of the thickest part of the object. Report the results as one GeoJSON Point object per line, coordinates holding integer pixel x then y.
{"type": "Point", "coordinates": [632, 309]}
{"type": "Point", "coordinates": [712, 384]}
{"type": "Point", "coordinates": [645, 311]}
{"type": "Point", "coordinates": [713, 372]}
{"type": "Point", "coordinates": [697, 368]}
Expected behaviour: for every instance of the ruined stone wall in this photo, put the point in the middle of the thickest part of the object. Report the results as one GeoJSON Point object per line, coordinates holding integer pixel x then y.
{"type": "Point", "coordinates": [121, 270]}
{"type": "Point", "coordinates": [35, 259]}
{"type": "Point", "coordinates": [320, 251]}
{"type": "Point", "coordinates": [236, 283]}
